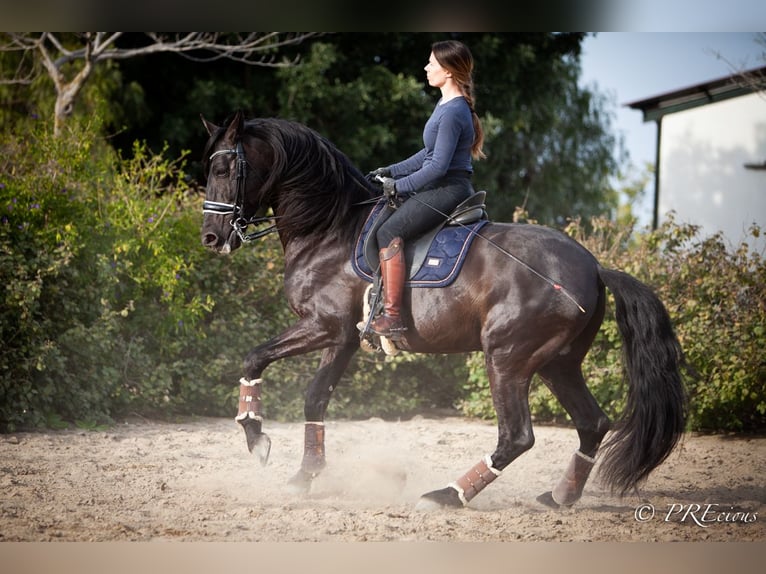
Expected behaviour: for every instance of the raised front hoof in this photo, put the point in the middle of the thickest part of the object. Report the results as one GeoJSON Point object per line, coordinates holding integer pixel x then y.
{"type": "Point", "coordinates": [438, 499]}
{"type": "Point", "coordinates": [300, 484]}
{"type": "Point", "coordinates": [258, 443]}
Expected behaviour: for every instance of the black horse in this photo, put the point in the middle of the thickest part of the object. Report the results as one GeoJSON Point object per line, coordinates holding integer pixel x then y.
{"type": "Point", "coordinates": [531, 298]}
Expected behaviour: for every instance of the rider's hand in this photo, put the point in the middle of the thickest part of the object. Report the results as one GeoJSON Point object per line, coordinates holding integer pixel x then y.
{"type": "Point", "coordinates": [380, 172]}
{"type": "Point", "coordinates": [389, 187]}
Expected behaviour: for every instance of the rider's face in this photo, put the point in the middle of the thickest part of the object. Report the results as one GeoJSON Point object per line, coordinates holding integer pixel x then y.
{"type": "Point", "coordinates": [437, 76]}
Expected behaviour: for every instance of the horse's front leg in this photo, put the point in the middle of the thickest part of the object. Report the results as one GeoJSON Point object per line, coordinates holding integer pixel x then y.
{"type": "Point", "coordinates": [334, 362]}
{"type": "Point", "coordinates": [303, 337]}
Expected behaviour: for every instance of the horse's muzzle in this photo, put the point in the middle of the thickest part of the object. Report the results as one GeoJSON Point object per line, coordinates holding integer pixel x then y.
{"type": "Point", "coordinates": [217, 243]}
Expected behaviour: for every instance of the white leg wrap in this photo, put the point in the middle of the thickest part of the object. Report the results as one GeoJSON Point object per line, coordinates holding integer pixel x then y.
{"type": "Point", "coordinates": [244, 381]}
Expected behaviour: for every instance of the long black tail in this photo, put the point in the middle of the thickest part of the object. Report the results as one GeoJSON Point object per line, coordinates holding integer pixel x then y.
{"type": "Point", "coordinates": [656, 409]}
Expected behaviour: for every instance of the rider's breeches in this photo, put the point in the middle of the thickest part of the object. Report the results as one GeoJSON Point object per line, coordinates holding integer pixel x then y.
{"type": "Point", "coordinates": [413, 218]}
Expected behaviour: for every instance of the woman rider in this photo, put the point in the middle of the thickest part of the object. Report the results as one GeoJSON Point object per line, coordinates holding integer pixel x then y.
{"type": "Point", "coordinates": [440, 174]}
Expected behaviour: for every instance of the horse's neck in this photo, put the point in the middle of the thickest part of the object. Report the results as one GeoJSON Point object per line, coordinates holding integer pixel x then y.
{"type": "Point", "coordinates": [315, 253]}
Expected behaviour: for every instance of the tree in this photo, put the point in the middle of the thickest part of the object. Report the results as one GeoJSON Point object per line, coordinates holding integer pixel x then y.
{"type": "Point", "coordinates": [70, 59]}
{"type": "Point", "coordinates": [549, 142]}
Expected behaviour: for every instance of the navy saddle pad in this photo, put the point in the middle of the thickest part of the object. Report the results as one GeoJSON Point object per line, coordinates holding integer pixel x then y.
{"type": "Point", "coordinates": [437, 257]}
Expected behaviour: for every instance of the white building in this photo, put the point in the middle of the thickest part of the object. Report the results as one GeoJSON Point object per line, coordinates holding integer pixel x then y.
{"type": "Point", "coordinates": [711, 155]}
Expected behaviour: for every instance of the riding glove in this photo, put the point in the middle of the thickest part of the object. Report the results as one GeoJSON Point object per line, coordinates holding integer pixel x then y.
{"type": "Point", "coordinates": [380, 172]}
{"type": "Point", "coordinates": [389, 187]}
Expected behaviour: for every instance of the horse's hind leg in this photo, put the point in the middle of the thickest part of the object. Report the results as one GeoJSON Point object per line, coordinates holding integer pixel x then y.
{"type": "Point", "coordinates": [510, 396]}
{"type": "Point", "coordinates": [565, 380]}
{"type": "Point", "coordinates": [334, 362]}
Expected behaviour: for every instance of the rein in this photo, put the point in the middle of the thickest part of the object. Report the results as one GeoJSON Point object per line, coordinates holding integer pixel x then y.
{"type": "Point", "coordinates": [238, 221]}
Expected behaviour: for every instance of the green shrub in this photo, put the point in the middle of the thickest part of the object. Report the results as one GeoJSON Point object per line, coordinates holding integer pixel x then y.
{"type": "Point", "coordinates": [45, 261]}
{"type": "Point", "coordinates": [108, 296]}
{"type": "Point", "coordinates": [717, 297]}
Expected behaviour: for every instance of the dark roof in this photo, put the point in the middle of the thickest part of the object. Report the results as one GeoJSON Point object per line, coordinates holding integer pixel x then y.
{"type": "Point", "coordinates": [739, 84]}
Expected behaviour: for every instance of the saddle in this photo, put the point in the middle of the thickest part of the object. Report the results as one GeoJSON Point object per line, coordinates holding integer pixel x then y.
{"type": "Point", "coordinates": [434, 259]}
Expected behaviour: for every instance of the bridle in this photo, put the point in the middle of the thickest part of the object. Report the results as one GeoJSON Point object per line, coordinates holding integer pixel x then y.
{"type": "Point", "coordinates": [236, 210]}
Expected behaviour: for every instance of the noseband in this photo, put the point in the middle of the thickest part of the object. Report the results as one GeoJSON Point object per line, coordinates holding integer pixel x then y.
{"type": "Point", "coordinates": [236, 210]}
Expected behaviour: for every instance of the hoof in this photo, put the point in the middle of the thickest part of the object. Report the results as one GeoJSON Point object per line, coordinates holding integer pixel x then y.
{"type": "Point", "coordinates": [300, 484]}
{"type": "Point", "coordinates": [444, 498]}
{"type": "Point", "coordinates": [565, 497]}
{"type": "Point", "coordinates": [565, 501]}
{"type": "Point", "coordinates": [258, 443]}
{"type": "Point", "coordinates": [546, 498]}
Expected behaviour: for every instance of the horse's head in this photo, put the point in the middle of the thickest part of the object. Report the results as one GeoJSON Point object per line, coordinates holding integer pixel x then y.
{"type": "Point", "coordinates": [270, 163]}
{"type": "Point", "coordinates": [231, 199]}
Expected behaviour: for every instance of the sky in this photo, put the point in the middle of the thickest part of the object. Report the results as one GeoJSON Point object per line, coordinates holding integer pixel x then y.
{"type": "Point", "coordinates": [631, 66]}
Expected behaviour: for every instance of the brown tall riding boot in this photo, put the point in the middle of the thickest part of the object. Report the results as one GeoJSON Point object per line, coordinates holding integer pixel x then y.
{"type": "Point", "coordinates": [393, 269]}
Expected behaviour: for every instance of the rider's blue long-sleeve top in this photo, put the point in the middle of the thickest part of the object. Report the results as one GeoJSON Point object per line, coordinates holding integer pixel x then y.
{"type": "Point", "coordinates": [448, 136]}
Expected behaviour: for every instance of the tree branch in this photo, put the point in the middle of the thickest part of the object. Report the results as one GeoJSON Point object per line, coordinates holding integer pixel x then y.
{"type": "Point", "coordinates": [753, 79]}
{"type": "Point", "coordinates": [253, 48]}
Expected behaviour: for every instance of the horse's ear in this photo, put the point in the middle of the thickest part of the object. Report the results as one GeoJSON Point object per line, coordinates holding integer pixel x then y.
{"type": "Point", "coordinates": [209, 126]}
{"type": "Point", "coordinates": [236, 126]}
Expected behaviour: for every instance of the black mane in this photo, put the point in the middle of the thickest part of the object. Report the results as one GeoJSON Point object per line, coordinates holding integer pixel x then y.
{"type": "Point", "coordinates": [311, 183]}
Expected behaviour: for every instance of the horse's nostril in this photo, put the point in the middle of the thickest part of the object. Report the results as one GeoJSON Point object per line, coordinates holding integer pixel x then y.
{"type": "Point", "coordinates": [209, 240]}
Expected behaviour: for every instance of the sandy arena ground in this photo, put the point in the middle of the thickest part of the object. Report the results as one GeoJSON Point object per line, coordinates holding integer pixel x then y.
{"type": "Point", "coordinates": [195, 481]}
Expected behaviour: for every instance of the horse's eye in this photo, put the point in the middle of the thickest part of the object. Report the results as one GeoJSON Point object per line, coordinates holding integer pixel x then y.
{"type": "Point", "coordinates": [221, 171]}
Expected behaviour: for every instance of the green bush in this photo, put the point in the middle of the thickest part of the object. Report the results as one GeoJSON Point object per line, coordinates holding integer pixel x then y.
{"type": "Point", "coordinates": [44, 269]}
{"type": "Point", "coordinates": [717, 297]}
{"type": "Point", "coordinates": [108, 296]}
